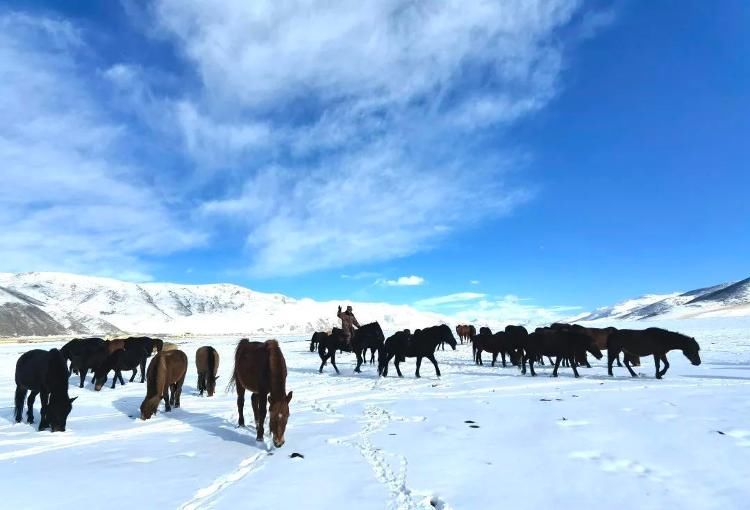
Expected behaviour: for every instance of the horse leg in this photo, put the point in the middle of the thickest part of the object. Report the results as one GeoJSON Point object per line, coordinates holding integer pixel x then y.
{"type": "Point", "coordinates": [119, 376]}
{"type": "Point", "coordinates": [479, 357]}
{"type": "Point", "coordinates": [200, 383]}
{"type": "Point", "coordinates": [666, 364]}
{"type": "Point", "coordinates": [502, 355]}
{"type": "Point", "coordinates": [44, 399]}
{"type": "Point", "coordinates": [323, 358]}
{"type": "Point", "coordinates": [627, 365]}
{"type": "Point", "coordinates": [431, 357]}
{"type": "Point", "coordinates": [359, 361]}
{"type": "Point", "coordinates": [30, 406]}
{"type": "Point", "coordinates": [165, 396]}
{"type": "Point", "coordinates": [557, 365]}
{"type": "Point", "coordinates": [574, 366]}
{"type": "Point", "coordinates": [398, 369]}
{"type": "Point", "coordinates": [494, 358]}
{"type": "Point", "coordinates": [531, 366]}
{"type": "Point", "coordinates": [241, 405]}
{"type": "Point", "coordinates": [611, 355]}
{"type": "Point", "coordinates": [523, 364]}
{"type": "Point", "coordinates": [82, 372]}
{"type": "Point", "coordinates": [132, 377]}
{"type": "Point", "coordinates": [333, 361]}
{"type": "Point", "coordinates": [657, 365]}
{"type": "Point", "coordinates": [419, 363]}
{"type": "Point", "coordinates": [20, 397]}
{"type": "Point", "coordinates": [178, 391]}
{"type": "Point", "coordinates": [143, 370]}
{"type": "Point", "coordinates": [259, 409]}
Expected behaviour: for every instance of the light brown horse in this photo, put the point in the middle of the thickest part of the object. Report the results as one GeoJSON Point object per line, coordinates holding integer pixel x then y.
{"type": "Point", "coordinates": [168, 346]}
{"type": "Point", "coordinates": [166, 371]}
{"type": "Point", "coordinates": [260, 368]}
{"type": "Point", "coordinates": [465, 332]}
{"type": "Point", "coordinates": [207, 364]}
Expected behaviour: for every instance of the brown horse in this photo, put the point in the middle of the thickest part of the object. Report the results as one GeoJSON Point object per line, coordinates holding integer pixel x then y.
{"type": "Point", "coordinates": [260, 368]}
{"type": "Point", "coordinates": [168, 346]}
{"type": "Point", "coordinates": [114, 345]}
{"type": "Point", "coordinates": [166, 371]}
{"type": "Point", "coordinates": [207, 364]}
{"type": "Point", "coordinates": [465, 332]}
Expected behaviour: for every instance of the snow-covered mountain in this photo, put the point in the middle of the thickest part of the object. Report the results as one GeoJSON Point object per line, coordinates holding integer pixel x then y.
{"type": "Point", "coordinates": [60, 303]}
{"type": "Point", "coordinates": [723, 300]}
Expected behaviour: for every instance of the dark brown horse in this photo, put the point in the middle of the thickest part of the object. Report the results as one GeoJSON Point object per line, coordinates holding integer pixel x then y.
{"type": "Point", "coordinates": [44, 373]}
{"type": "Point", "coordinates": [260, 368]}
{"type": "Point", "coordinates": [165, 372]}
{"type": "Point", "coordinates": [655, 341]}
{"type": "Point", "coordinates": [207, 364]}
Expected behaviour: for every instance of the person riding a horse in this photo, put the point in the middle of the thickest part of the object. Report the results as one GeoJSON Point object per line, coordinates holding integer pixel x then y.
{"type": "Point", "coordinates": [348, 322]}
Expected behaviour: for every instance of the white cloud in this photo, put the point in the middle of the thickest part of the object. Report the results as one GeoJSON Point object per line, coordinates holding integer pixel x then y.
{"type": "Point", "coordinates": [403, 281]}
{"type": "Point", "coordinates": [362, 275]}
{"type": "Point", "coordinates": [349, 126]}
{"type": "Point", "coordinates": [474, 282]}
{"type": "Point", "coordinates": [459, 298]}
{"type": "Point", "coordinates": [69, 200]}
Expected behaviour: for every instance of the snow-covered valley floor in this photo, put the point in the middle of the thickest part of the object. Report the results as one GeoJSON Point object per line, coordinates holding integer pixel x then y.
{"type": "Point", "coordinates": [479, 437]}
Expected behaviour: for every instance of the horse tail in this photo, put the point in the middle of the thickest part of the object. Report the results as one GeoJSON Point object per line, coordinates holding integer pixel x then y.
{"type": "Point", "coordinates": [233, 381]}
{"type": "Point", "coordinates": [211, 362]}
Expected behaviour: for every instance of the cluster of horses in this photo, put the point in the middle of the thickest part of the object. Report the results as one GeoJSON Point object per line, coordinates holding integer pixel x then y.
{"type": "Point", "coordinates": [569, 344]}
{"type": "Point", "coordinates": [259, 368]}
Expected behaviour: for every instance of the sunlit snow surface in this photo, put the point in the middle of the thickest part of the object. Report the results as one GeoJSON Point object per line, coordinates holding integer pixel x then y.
{"type": "Point", "coordinates": [479, 437]}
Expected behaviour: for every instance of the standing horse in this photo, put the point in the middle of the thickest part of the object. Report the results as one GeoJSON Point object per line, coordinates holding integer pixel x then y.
{"type": "Point", "coordinates": [45, 373]}
{"type": "Point", "coordinates": [259, 367]}
{"type": "Point", "coordinates": [165, 372]}
{"type": "Point", "coordinates": [422, 344]}
{"type": "Point", "coordinates": [655, 341]}
{"type": "Point", "coordinates": [78, 348]}
{"type": "Point", "coordinates": [563, 344]}
{"type": "Point", "coordinates": [207, 364]}
{"type": "Point", "coordinates": [369, 336]}
{"type": "Point", "coordinates": [499, 343]}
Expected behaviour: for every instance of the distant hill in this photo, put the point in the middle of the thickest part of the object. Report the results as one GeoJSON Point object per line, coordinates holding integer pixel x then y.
{"type": "Point", "coordinates": [61, 303]}
{"type": "Point", "coordinates": [725, 299]}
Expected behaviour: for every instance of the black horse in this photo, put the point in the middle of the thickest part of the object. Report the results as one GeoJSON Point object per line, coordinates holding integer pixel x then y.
{"type": "Point", "coordinates": [369, 336]}
{"type": "Point", "coordinates": [79, 348]}
{"type": "Point", "coordinates": [499, 343]}
{"type": "Point", "coordinates": [129, 358]}
{"type": "Point", "coordinates": [655, 341]}
{"type": "Point", "coordinates": [422, 344]}
{"type": "Point", "coordinates": [45, 373]}
{"type": "Point", "coordinates": [563, 344]}
{"type": "Point", "coordinates": [137, 344]}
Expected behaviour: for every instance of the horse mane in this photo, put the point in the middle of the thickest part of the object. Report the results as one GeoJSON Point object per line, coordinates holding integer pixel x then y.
{"type": "Point", "coordinates": [233, 380]}
{"type": "Point", "coordinates": [276, 369]}
{"type": "Point", "coordinates": [58, 371]}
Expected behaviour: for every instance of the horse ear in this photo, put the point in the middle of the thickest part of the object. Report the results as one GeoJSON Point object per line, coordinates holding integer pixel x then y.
{"type": "Point", "coordinates": [288, 397]}
{"type": "Point", "coordinates": [72, 399]}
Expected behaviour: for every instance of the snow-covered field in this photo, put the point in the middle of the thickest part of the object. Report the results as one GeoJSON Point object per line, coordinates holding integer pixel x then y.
{"type": "Point", "coordinates": [479, 437]}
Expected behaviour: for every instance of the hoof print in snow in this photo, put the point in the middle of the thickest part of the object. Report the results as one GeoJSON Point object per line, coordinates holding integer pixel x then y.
{"type": "Point", "coordinates": [474, 426]}
{"type": "Point", "coordinates": [295, 455]}
{"type": "Point", "coordinates": [574, 396]}
{"type": "Point", "coordinates": [436, 502]}
{"type": "Point", "coordinates": [392, 434]}
{"type": "Point", "coordinates": [558, 400]}
{"type": "Point", "coordinates": [720, 432]}
{"type": "Point", "coordinates": [469, 421]}
{"type": "Point", "coordinates": [564, 419]}
{"type": "Point", "coordinates": [545, 400]}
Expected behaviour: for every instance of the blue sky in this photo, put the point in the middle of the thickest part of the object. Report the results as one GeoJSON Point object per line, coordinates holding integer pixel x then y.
{"type": "Point", "coordinates": [519, 156]}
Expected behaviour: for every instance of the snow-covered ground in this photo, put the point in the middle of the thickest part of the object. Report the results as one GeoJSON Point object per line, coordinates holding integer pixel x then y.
{"type": "Point", "coordinates": [479, 437]}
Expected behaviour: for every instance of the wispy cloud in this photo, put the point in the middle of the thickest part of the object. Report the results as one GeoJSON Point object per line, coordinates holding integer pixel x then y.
{"type": "Point", "coordinates": [362, 275]}
{"type": "Point", "coordinates": [402, 281]}
{"type": "Point", "coordinates": [70, 201]}
{"type": "Point", "coordinates": [460, 298]}
{"type": "Point", "coordinates": [360, 120]}
{"type": "Point", "coordinates": [474, 282]}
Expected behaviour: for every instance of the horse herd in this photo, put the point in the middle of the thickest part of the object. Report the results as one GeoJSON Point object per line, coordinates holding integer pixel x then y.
{"type": "Point", "coordinates": [259, 368]}
{"type": "Point", "coordinates": [569, 344]}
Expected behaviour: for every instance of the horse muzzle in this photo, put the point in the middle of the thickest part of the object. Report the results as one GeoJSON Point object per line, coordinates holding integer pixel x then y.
{"type": "Point", "coordinates": [278, 444]}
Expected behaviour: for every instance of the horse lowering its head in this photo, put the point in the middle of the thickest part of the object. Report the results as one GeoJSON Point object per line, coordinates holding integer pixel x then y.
{"type": "Point", "coordinates": [690, 348]}
{"type": "Point", "coordinates": [655, 341]}
{"type": "Point", "coordinates": [165, 372]}
{"type": "Point", "coordinates": [259, 367]}
{"type": "Point", "coordinates": [44, 372]}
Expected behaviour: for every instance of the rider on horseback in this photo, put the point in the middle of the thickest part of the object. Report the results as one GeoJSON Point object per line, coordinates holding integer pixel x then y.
{"type": "Point", "coordinates": [348, 322]}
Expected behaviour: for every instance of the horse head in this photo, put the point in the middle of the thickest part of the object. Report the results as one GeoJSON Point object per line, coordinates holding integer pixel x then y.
{"type": "Point", "coordinates": [58, 410]}
{"type": "Point", "coordinates": [279, 410]}
{"type": "Point", "coordinates": [692, 351]}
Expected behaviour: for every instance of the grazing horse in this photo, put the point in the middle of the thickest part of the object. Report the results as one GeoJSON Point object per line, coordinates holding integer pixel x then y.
{"type": "Point", "coordinates": [259, 367]}
{"type": "Point", "coordinates": [207, 364]}
{"type": "Point", "coordinates": [499, 343]}
{"type": "Point", "coordinates": [129, 358]}
{"type": "Point", "coordinates": [45, 373]}
{"type": "Point", "coordinates": [655, 341]}
{"type": "Point", "coordinates": [369, 336]}
{"type": "Point", "coordinates": [77, 348]}
{"type": "Point", "coordinates": [422, 344]}
{"type": "Point", "coordinates": [165, 372]}
{"type": "Point", "coordinates": [563, 344]}
{"type": "Point", "coordinates": [316, 339]}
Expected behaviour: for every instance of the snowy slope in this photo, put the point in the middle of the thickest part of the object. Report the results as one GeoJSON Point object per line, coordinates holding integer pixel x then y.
{"type": "Point", "coordinates": [727, 299]}
{"type": "Point", "coordinates": [479, 437]}
{"type": "Point", "coordinates": [84, 304]}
